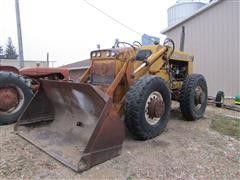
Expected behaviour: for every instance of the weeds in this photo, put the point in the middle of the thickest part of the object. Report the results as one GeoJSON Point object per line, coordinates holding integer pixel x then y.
{"type": "Point", "coordinates": [227, 126]}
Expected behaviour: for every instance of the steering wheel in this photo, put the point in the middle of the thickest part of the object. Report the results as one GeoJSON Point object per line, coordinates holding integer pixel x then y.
{"type": "Point", "coordinates": [166, 43]}
{"type": "Point", "coordinates": [125, 43]}
{"type": "Point", "coordinates": [137, 44]}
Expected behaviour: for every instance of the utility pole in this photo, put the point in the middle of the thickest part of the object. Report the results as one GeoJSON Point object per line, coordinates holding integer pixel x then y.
{"type": "Point", "coordinates": [47, 59]}
{"type": "Point", "coordinates": [19, 31]}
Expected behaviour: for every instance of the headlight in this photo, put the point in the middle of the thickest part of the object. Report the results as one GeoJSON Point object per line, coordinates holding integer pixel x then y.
{"type": "Point", "coordinates": [108, 53]}
{"type": "Point", "coordinates": [94, 54]}
{"type": "Point", "coordinates": [98, 54]}
{"type": "Point", "coordinates": [113, 54]}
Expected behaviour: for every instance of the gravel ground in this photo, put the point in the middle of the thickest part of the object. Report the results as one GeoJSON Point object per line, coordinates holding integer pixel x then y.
{"type": "Point", "coordinates": [186, 150]}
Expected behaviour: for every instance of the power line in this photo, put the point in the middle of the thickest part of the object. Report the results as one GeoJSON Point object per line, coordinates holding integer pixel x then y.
{"type": "Point", "coordinates": [112, 18]}
{"type": "Point", "coordinates": [117, 21]}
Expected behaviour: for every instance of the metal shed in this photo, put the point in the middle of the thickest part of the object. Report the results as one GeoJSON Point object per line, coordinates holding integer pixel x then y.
{"type": "Point", "coordinates": [212, 36]}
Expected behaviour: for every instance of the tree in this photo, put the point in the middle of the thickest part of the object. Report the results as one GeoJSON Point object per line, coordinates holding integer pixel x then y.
{"type": "Point", "coordinates": [1, 53]}
{"type": "Point", "coordinates": [10, 51]}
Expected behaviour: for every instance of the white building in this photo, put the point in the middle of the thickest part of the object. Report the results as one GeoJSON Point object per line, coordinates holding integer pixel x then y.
{"type": "Point", "coordinates": [212, 36]}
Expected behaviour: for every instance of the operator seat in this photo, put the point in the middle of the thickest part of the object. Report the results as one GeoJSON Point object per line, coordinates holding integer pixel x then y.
{"type": "Point", "coordinates": [143, 54]}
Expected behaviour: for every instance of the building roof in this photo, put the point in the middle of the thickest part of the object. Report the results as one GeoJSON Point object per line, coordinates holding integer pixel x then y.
{"type": "Point", "coordinates": [79, 64]}
{"type": "Point", "coordinates": [201, 10]}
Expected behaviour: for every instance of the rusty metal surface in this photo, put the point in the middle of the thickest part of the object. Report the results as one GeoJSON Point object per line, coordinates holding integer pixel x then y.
{"type": "Point", "coordinates": [39, 72]}
{"type": "Point", "coordinates": [76, 73]}
{"type": "Point", "coordinates": [80, 134]}
{"type": "Point", "coordinates": [9, 98]}
{"type": "Point", "coordinates": [103, 72]}
{"type": "Point", "coordinates": [39, 109]}
{"type": "Point", "coordinates": [106, 140]}
{"type": "Point", "coordinates": [9, 69]}
{"type": "Point", "coordinates": [124, 53]}
{"type": "Point", "coordinates": [156, 108]}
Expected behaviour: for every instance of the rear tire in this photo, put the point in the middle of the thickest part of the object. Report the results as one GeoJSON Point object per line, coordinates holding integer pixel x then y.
{"type": "Point", "coordinates": [193, 97]}
{"type": "Point", "coordinates": [219, 100]}
{"type": "Point", "coordinates": [147, 91]}
{"type": "Point", "coordinates": [18, 88]}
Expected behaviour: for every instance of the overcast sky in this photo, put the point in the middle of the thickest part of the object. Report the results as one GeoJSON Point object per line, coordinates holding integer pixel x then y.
{"type": "Point", "coordinates": [70, 29]}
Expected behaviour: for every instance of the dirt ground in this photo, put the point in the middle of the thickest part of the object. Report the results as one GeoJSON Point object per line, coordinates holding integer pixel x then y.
{"type": "Point", "coordinates": [186, 150]}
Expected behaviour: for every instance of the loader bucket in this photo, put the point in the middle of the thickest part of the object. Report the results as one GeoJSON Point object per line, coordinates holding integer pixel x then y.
{"type": "Point", "coordinates": [74, 123]}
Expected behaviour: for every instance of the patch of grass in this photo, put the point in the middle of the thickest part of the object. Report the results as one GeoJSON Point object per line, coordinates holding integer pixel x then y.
{"type": "Point", "coordinates": [227, 126]}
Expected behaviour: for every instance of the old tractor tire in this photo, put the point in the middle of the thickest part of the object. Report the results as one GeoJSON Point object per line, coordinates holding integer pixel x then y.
{"type": "Point", "coordinates": [193, 97]}
{"type": "Point", "coordinates": [219, 100]}
{"type": "Point", "coordinates": [14, 96]}
{"type": "Point", "coordinates": [147, 107]}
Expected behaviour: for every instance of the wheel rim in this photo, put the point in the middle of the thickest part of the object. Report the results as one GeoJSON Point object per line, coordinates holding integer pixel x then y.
{"type": "Point", "coordinates": [154, 108]}
{"type": "Point", "coordinates": [222, 100]}
{"type": "Point", "coordinates": [199, 98]}
{"type": "Point", "coordinates": [12, 99]}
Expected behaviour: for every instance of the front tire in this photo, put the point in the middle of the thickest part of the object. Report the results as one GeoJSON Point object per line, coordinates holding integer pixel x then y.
{"type": "Point", "coordinates": [193, 97]}
{"type": "Point", "coordinates": [147, 107]}
{"type": "Point", "coordinates": [14, 97]}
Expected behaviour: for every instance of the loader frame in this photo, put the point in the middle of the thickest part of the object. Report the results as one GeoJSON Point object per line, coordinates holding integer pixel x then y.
{"type": "Point", "coordinates": [56, 113]}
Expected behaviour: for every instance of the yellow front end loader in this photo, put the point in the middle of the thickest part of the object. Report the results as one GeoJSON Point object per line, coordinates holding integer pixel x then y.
{"type": "Point", "coordinates": [83, 124]}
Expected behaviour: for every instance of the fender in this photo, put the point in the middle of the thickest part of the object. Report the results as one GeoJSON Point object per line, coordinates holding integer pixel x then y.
{"type": "Point", "coordinates": [38, 72]}
{"type": "Point", "coordinates": [9, 69]}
